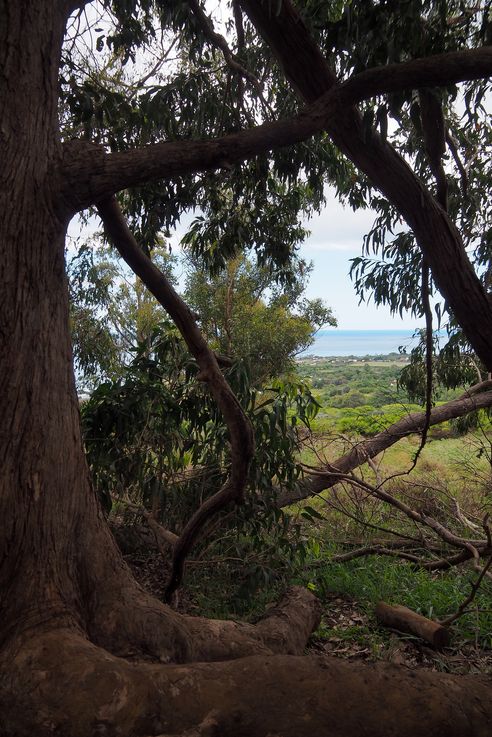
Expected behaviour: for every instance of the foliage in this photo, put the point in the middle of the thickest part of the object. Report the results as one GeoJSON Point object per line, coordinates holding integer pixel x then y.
{"type": "Point", "coordinates": [260, 204]}
{"type": "Point", "coordinates": [115, 92]}
{"type": "Point", "coordinates": [241, 315]}
{"type": "Point", "coordinates": [155, 435]}
{"type": "Point", "coordinates": [455, 365]}
{"type": "Point", "coordinates": [111, 311]}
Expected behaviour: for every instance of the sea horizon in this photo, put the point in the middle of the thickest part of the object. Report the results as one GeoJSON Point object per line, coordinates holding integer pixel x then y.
{"type": "Point", "coordinates": [337, 342]}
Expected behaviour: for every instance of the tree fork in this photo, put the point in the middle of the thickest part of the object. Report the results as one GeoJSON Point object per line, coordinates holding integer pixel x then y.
{"type": "Point", "coordinates": [441, 244]}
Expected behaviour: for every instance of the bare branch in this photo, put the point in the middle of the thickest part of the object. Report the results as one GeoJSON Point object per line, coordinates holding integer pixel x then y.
{"type": "Point", "coordinates": [322, 479]}
{"type": "Point", "coordinates": [376, 550]}
{"type": "Point", "coordinates": [463, 607]}
{"type": "Point", "coordinates": [164, 538]}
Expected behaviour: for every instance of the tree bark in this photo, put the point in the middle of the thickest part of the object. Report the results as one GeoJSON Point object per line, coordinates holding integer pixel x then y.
{"type": "Point", "coordinates": [94, 693]}
{"type": "Point", "coordinates": [73, 621]}
{"type": "Point", "coordinates": [403, 619]}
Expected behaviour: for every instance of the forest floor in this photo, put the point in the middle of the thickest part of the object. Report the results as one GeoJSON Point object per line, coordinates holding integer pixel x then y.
{"type": "Point", "coordinates": [347, 629]}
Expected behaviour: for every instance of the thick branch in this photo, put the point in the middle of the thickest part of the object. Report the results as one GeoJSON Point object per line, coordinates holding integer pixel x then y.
{"type": "Point", "coordinates": [240, 431]}
{"type": "Point", "coordinates": [90, 174]}
{"type": "Point", "coordinates": [438, 238]}
{"type": "Point", "coordinates": [359, 454]}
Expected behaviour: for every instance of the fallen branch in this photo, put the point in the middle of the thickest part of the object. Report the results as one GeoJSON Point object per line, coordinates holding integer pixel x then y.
{"type": "Point", "coordinates": [405, 620]}
{"type": "Point", "coordinates": [476, 397]}
{"type": "Point", "coordinates": [165, 539]}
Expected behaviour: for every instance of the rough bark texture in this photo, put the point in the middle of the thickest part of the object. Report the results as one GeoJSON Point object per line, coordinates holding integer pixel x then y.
{"type": "Point", "coordinates": [73, 621]}
{"type": "Point", "coordinates": [282, 695]}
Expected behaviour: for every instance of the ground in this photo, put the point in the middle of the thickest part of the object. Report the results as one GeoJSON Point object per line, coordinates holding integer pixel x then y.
{"type": "Point", "coordinates": [347, 629]}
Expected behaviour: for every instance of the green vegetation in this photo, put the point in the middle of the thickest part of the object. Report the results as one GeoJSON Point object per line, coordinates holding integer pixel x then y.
{"type": "Point", "coordinates": [134, 116]}
{"type": "Point", "coordinates": [455, 463]}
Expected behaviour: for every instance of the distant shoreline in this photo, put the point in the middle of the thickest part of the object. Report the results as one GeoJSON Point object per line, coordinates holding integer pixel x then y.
{"type": "Point", "coordinates": [377, 358]}
{"type": "Point", "coordinates": [332, 343]}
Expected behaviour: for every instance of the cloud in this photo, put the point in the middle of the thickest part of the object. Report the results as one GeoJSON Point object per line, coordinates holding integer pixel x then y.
{"type": "Point", "coordinates": [338, 228]}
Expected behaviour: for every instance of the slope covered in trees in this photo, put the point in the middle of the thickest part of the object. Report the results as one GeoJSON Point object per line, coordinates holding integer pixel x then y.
{"type": "Point", "coordinates": [211, 131]}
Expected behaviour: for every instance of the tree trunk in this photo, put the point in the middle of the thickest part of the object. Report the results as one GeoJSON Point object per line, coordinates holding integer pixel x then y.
{"type": "Point", "coordinates": [72, 618]}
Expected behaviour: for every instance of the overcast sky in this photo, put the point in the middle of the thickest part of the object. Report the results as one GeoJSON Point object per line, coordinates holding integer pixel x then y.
{"type": "Point", "coordinates": [336, 237]}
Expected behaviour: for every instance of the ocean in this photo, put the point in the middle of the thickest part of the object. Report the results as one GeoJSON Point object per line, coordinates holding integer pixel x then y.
{"type": "Point", "coordinates": [336, 342]}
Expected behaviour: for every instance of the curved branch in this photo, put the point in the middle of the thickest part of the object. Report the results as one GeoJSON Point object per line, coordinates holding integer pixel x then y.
{"type": "Point", "coordinates": [360, 453]}
{"type": "Point", "coordinates": [240, 431]}
{"type": "Point", "coordinates": [440, 242]}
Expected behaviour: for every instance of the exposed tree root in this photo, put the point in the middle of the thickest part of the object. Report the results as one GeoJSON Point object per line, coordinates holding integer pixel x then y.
{"type": "Point", "coordinates": [60, 683]}
{"type": "Point", "coordinates": [132, 622]}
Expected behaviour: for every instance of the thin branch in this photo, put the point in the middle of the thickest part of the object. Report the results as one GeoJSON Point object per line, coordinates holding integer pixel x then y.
{"type": "Point", "coordinates": [429, 349]}
{"type": "Point", "coordinates": [376, 550]}
{"type": "Point", "coordinates": [422, 518]}
{"type": "Point", "coordinates": [457, 160]}
{"type": "Point", "coordinates": [219, 42]}
{"type": "Point", "coordinates": [463, 607]}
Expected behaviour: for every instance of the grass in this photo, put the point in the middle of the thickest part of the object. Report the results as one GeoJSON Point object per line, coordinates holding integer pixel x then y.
{"type": "Point", "coordinates": [433, 595]}
{"type": "Point", "coordinates": [453, 464]}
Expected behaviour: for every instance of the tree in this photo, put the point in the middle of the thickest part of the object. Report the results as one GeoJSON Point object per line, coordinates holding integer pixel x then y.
{"type": "Point", "coordinates": [238, 317]}
{"type": "Point", "coordinates": [111, 311]}
{"type": "Point", "coordinates": [73, 618]}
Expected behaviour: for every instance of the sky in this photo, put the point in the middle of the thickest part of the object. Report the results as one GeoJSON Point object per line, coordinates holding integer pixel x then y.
{"type": "Point", "coordinates": [336, 237]}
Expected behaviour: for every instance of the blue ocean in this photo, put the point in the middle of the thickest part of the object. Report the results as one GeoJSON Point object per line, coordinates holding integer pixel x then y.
{"type": "Point", "coordinates": [336, 342]}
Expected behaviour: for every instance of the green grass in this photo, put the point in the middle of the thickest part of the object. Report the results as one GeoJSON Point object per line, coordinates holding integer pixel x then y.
{"type": "Point", "coordinates": [375, 578]}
